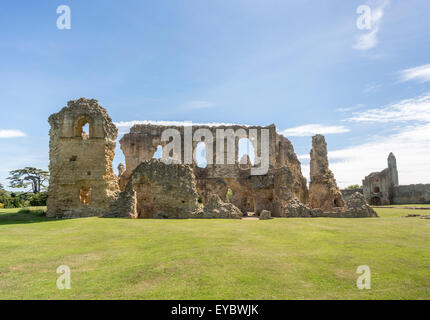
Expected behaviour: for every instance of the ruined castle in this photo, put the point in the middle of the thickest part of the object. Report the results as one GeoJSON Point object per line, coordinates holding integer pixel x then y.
{"type": "Point", "coordinates": [382, 188]}
{"type": "Point", "coordinates": [83, 183]}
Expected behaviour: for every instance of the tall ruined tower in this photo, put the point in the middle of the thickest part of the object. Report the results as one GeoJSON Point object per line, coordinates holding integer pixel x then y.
{"type": "Point", "coordinates": [323, 190]}
{"type": "Point", "coordinates": [82, 182]}
{"type": "Point", "coordinates": [392, 168]}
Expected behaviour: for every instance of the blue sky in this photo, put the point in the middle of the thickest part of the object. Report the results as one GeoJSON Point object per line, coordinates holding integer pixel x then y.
{"type": "Point", "coordinates": [303, 65]}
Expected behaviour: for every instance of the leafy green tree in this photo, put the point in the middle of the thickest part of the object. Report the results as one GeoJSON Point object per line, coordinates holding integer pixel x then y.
{"type": "Point", "coordinates": [1, 187]}
{"type": "Point", "coordinates": [355, 186]}
{"type": "Point", "coordinates": [29, 177]}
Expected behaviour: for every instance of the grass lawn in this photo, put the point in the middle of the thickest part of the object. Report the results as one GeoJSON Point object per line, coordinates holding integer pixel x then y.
{"type": "Point", "coordinates": [215, 259]}
{"type": "Point", "coordinates": [411, 205]}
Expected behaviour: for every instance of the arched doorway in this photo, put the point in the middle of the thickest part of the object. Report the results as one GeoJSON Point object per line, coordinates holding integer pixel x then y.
{"type": "Point", "coordinates": [144, 199]}
{"type": "Point", "coordinates": [375, 201]}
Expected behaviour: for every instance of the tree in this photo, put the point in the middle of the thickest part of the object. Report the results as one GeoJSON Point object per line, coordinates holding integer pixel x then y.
{"type": "Point", "coordinates": [1, 187]}
{"type": "Point", "coordinates": [353, 187]}
{"type": "Point", "coordinates": [29, 177]}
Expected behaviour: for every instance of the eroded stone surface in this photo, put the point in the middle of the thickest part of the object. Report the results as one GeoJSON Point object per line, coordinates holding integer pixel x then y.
{"type": "Point", "coordinates": [82, 182]}
{"type": "Point", "coordinates": [358, 207]}
{"type": "Point", "coordinates": [251, 193]}
{"type": "Point", "coordinates": [216, 208]}
{"type": "Point", "coordinates": [323, 191]}
{"type": "Point", "coordinates": [158, 190]}
{"type": "Point", "coordinates": [265, 215]}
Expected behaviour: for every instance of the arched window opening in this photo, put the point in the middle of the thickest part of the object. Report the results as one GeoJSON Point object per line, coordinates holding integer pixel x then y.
{"type": "Point", "coordinates": [158, 154]}
{"type": "Point", "coordinates": [376, 190]}
{"type": "Point", "coordinates": [85, 195]}
{"type": "Point", "coordinates": [246, 148]}
{"type": "Point", "coordinates": [83, 127]}
{"type": "Point", "coordinates": [200, 155]}
{"type": "Point", "coordinates": [229, 195]}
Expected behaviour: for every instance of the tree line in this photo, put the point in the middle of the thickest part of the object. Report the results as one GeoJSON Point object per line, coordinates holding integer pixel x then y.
{"type": "Point", "coordinates": [34, 181]}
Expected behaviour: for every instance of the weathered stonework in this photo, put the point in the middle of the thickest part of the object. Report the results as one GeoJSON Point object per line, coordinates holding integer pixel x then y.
{"type": "Point", "coordinates": [323, 191]}
{"type": "Point", "coordinates": [158, 190]}
{"type": "Point", "coordinates": [382, 188]}
{"type": "Point", "coordinates": [82, 182]}
{"type": "Point", "coordinates": [251, 193]}
{"type": "Point", "coordinates": [265, 215]}
{"type": "Point", "coordinates": [216, 208]}
{"type": "Point", "coordinates": [378, 186]}
{"type": "Point", "coordinates": [357, 207]}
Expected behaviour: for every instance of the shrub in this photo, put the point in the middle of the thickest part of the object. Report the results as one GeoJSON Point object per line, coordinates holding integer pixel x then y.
{"type": "Point", "coordinates": [229, 195]}
{"type": "Point", "coordinates": [40, 213]}
{"type": "Point", "coordinates": [38, 199]}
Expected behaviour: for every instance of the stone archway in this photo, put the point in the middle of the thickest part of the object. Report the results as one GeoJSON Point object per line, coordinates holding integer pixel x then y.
{"type": "Point", "coordinates": [145, 199]}
{"type": "Point", "coordinates": [375, 201]}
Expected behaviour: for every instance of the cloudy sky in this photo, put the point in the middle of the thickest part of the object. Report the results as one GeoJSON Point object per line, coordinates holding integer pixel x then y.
{"type": "Point", "coordinates": [308, 66]}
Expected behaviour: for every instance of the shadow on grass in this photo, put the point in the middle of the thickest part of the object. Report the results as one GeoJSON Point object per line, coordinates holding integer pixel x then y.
{"type": "Point", "coordinates": [23, 216]}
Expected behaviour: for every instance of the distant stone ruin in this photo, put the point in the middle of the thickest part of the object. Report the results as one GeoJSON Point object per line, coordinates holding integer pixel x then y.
{"type": "Point", "coordinates": [382, 188]}
{"type": "Point", "coordinates": [83, 184]}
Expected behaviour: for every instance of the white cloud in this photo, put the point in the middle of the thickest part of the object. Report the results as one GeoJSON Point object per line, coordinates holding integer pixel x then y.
{"type": "Point", "coordinates": [11, 134]}
{"type": "Point", "coordinates": [410, 144]}
{"type": "Point", "coordinates": [312, 129]}
{"type": "Point", "coordinates": [347, 109]}
{"type": "Point", "coordinates": [370, 40]}
{"type": "Point", "coordinates": [197, 105]}
{"type": "Point", "coordinates": [421, 74]}
{"type": "Point", "coordinates": [416, 109]}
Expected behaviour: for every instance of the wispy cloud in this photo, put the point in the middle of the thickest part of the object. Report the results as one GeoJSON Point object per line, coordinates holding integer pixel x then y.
{"type": "Point", "coordinates": [312, 129]}
{"type": "Point", "coordinates": [420, 74]}
{"type": "Point", "coordinates": [370, 40]}
{"type": "Point", "coordinates": [347, 109]}
{"type": "Point", "coordinates": [410, 143]}
{"type": "Point", "coordinates": [197, 105]}
{"type": "Point", "coordinates": [11, 134]}
{"type": "Point", "coordinates": [411, 147]}
{"type": "Point", "coordinates": [416, 109]}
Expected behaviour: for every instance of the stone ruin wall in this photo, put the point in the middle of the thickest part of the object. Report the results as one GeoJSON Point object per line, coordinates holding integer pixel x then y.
{"type": "Point", "coordinates": [251, 193]}
{"type": "Point", "coordinates": [411, 194]}
{"type": "Point", "coordinates": [158, 190]}
{"type": "Point", "coordinates": [82, 181]}
{"type": "Point", "coordinates": [323, 191]}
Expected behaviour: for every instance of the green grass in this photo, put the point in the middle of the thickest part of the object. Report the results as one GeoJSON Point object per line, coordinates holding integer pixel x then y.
{"type": "Point", "coordinates": [411, 205]}
{"type": "Point", "coordinates": [214, 259]}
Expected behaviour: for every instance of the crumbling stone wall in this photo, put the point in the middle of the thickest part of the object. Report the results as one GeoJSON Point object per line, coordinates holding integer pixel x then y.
{"type": "Point", "coordinates": [348, 193]}
{"type": "Point", "coordinates": [82, 182]}
{"type": "Point", "coordinates": [411, 194]}
{"type": "Point", "coordinates": [382, 188]}
{"type": "Point", "coordinates": [283, 181]}
{"type": "Point", "coordinates": [323, 191]}
{"type": "Point", "coordinates": [158, 190]}
{"type": "Point", "coordinates": [378, 187]}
